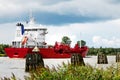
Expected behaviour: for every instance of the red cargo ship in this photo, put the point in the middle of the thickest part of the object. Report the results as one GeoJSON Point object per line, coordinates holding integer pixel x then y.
{"type": "Point", "coordinates": [29, 38]}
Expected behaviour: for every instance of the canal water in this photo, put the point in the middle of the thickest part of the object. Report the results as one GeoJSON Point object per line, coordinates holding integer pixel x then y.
{"type": "Point", "coordinates": [17, 66]}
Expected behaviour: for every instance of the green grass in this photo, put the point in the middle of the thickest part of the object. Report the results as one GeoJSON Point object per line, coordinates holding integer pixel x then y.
{"type": "Point", "coordinates": [2, 55]}
{"type": "Point", "coordinates": [69, 72]}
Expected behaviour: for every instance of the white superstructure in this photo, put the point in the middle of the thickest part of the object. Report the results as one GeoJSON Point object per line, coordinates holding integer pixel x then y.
{"type": "Point", "coordinates": [29, 36]}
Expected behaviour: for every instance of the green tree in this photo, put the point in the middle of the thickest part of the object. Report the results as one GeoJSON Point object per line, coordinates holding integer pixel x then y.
{"type": "Point", "coordinates": [66, 40]}
{"type": "Point", "coordinates": [2, 47]}
{"type": "Point", "coordinates": [81, 43]}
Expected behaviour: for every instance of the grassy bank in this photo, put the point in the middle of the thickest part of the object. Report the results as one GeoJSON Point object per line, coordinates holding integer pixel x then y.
{"type": "Point", "coordinates": [69, 72]}
{"type": "Point", "coordinates": [2, 55]}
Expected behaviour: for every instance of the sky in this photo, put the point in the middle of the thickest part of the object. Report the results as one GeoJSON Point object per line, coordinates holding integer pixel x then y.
{"type": "Point", "coordinates": [95, 21]}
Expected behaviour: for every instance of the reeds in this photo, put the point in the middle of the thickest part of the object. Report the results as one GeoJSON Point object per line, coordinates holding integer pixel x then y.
{"type": "Point", "coordinates": [69, 72]}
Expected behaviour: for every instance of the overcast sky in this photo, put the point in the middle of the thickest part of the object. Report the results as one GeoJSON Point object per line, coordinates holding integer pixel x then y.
{"type": "Point", "coordinates": [95, 21]}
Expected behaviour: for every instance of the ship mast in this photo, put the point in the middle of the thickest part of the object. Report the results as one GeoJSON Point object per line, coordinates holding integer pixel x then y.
{"type": "Point", "coordinates": [31, 19]}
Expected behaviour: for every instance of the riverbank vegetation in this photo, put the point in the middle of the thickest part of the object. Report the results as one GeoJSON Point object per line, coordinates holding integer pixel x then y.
{"type": "Point", "coordinates": [69, 72]}
{"type": "Point", "coordinates": [2, 47]}
{"type": "Point", "coordinates": [107, 51]}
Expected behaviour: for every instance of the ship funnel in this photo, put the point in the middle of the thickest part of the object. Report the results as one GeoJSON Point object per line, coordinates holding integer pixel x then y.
{"type": "Point", "coordinates": [22, 27]}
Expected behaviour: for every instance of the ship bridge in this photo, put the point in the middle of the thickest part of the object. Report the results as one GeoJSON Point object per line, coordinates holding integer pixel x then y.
{"type": "Point", "coordinates": [36, 36]}
{"type": "Point", "coordinates": [30, 35]}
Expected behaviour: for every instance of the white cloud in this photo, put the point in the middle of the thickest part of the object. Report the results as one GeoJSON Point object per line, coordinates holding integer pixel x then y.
{"type": "Point", "coordinates": [87, 32]}
{"type": "Point", "coordinates": [95, 34]}
{"type": "Point", "coordinates": [56, 34]}
{"type": "Point", "coordinates": [100, 41]}
{"type": "Point", "coordinates": [93, 8]}
{"type": "Point", "coordinates": [7, 32]}
{"type": "Point", "coordinates": [16, 7]}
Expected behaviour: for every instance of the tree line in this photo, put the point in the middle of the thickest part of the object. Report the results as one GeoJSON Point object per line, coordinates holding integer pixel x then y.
{"type": "Point", "coordinates": [2, 47]}
{"type": "Point", "coordinates": [107, 51]}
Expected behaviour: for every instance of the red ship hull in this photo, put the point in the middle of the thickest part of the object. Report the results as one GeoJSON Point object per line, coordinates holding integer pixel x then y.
{"type": "Point", "coordinates": [44, 52]}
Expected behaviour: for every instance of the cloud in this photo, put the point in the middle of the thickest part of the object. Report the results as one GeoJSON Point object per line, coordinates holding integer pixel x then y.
{"type": "Point", "coordinates": [113, 1]}
{"type": "Point", "coordinates": [93, 8]}
{"type": "Point", "coordinates": [7, 32]}
{"type": "Point", "coordinates": [96, 34]}
{"type": "Point", "coordinates": [56, 34]}
{"type": "Point", "coordinates": [112, 42]}
{"type": "Point", "coordinates": [107, 33]}
{"type": "Point", "coordinates": [84, 9]}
